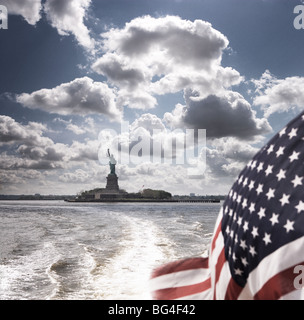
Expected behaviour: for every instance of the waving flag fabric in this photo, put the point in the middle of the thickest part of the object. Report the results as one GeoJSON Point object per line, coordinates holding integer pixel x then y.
{"type": "Point", "coordinates": [258, 240]}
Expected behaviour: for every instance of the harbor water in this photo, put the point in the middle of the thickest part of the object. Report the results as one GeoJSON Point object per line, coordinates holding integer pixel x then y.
{"type": "Point", "coordinates": [59, 250]}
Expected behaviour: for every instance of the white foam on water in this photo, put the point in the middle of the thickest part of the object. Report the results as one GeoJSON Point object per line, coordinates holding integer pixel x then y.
{"type": "Point", "coordinates": [86, 265]}
{"type": "Point", "coordinates": [26, 277]}
{"type": "Point", "coordinates": [96, 255]}
{"type": "Point", "coordinates": [55, 280]}
{"type": "Point", "coordinates": [126, 275]}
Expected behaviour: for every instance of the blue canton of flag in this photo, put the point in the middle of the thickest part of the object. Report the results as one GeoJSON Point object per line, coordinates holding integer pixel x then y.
{"type": "Point", "coordinates": [259, 234]}
{"type": "Point", "coordinates": [265, 207]}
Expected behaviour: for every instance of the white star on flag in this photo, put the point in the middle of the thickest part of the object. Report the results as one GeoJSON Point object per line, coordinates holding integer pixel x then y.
{"type": "Point", "coordinates": [300, 206]}
{"type": "Point", "coordinates": [270, 193]}
{"type": "Point", "coordinates": [292, 133]}
{"type": "Point", "coordinates": [281, 175]}
{"type": "Point", "coordinates": [285, 199]}
{"type": "Point", "coordinates": [280, 151]}
{"type": "Point", "coordinates": [294, 156]}
{"type": "Point", "coordinates": [289, 225]}
{"type": "Point", "coordinates": [274, 219]}
{"type": "Point", "coordinates": [297, 181]}
{"type": "Point", "coordinates": [266, 238]}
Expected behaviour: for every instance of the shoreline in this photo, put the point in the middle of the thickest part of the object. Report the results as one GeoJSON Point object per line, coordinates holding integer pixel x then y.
{"type": "Point", "coordinates": [148, 200]}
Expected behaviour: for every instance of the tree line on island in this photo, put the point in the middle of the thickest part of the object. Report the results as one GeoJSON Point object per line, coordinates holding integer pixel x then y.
{"type": "Point", "coordinates": [144, 194]}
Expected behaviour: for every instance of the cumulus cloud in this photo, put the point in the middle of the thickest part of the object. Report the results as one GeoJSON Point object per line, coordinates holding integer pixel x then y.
{"type": "Point", "coordinates": [279, 95]}
{"type": "Point", "coordinates": [235, 150]}
{"type": "Point", "coordinates": [30, 155]}
{"type": "Point", "coordinates": [227, 156]}
{"type": "Point", "coordinates": [118, 71]}
{"type": "Point", "coordinates": [30, 149]}
{"type": "Point", "coordinates": [148, 121]}
{"type": "Point", "coordinates": [84, 176]}
{"type": "Point", "coordinates": [84, 151]}
{"type": "Point", "coordinates": [266, 81]}
{"type": "Point", "coordinates": [35, 159]}
{"type": "Point", "coordinates": [146, 36]}
{"type": "Point", "coordinates": [221, 116]}
{"type": "Point", "coordinates": [10, 178]}
{"type": "Point", "coordinates": [137, 99]}
{"type": "Point", "coordinates": [14, 132]}
{"type": "Point", "coordinates": [28, 9]}
{"type": "Point", "coordinates": [52, 152]}
{"type": "Point", "coordinates": [154, 56]}
{"type": "Point", "coordinates": [81, 96]}
{"type": "Point", "coordinates": [75, 177]}
{"type": "Point", "coordinates": [68, 18]}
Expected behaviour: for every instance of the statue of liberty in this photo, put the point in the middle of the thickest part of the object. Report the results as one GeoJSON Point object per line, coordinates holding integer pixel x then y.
{"type": "Point", "coordinates": [112, 162]}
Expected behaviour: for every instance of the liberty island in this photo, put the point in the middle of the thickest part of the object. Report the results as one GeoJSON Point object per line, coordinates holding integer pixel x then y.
{"type": "Point", "coordinates": [112, 192]}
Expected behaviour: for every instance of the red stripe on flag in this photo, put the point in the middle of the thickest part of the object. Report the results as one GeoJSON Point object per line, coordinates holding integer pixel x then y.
{"type": "Point", "coordinates": [216, 234]}
{"type": "Point", "coordinates": [233, 290]}
{"type": "Point", "coordinates": [179, 292]}
{"type": "Point", "coordinates": [218, 268]}
{"type": "Point", "coordinates": [278, 285]}
{"type": "Point", "coordinates": [181, 265]}
{"type": "Point", "coordinates": [219, 265]}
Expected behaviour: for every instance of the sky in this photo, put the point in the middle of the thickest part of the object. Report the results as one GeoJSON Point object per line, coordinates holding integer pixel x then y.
{"type": "Point", "coordinates": [183, 92]}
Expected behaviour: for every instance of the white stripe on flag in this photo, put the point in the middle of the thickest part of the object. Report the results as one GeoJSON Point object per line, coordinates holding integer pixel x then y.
{"type": "Point", "coordinates": [283, 258]}
{"type": "Point", "coordinates": [222, 284]}
{"type": "Point", "coordinates": [179, 279]}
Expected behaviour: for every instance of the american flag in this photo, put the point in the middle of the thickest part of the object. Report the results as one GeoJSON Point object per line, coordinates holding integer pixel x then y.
{"type": "Point", "coordinates": [258, 240]}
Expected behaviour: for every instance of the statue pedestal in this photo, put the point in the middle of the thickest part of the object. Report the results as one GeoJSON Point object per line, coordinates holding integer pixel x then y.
{"type": "Point", "coordinates": [112, 182]}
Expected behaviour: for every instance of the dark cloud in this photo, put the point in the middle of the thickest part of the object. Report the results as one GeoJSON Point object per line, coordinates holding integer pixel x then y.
{"type": "Point", "coordinates": [118, 72]}
{"type": "Point", "coordinates": [221, 116]}
{"type": "Point", "coordinates": [49, 153]}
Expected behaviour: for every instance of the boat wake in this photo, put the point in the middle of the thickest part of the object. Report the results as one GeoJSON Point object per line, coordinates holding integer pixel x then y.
{"type": "Point", "coordinates": [126, 274]}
